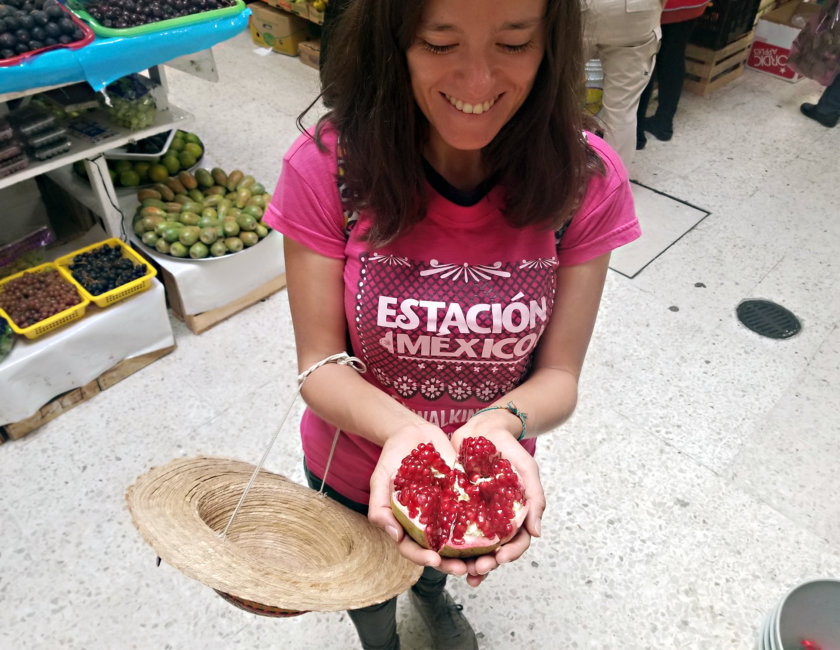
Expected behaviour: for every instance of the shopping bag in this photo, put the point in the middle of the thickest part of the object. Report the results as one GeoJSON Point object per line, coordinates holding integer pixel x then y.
{"type": "Point", "coordinates": [815, 52]}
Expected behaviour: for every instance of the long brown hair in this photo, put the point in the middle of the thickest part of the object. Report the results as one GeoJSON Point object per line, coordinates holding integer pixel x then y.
{"type": "Point", "coordinates": [539, 156]}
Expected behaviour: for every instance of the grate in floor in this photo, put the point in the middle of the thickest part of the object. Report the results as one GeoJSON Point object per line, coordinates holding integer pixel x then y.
{"type": "Point", "coordinates": [768, 319]}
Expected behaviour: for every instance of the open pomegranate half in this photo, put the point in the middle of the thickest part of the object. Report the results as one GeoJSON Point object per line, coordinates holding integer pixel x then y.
{"type": "Point", "coordinates": [461, 511]}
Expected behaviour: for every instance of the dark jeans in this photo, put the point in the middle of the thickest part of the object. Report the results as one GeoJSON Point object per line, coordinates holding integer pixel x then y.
{"type": "Point", "coordinates": [332, 13]}
{"type": "Point", "coordinates": [377, 624]}
{"type": "Point", "coordinates": [830, 99]}
{"type": "Point", "coordinates": [668, 74]}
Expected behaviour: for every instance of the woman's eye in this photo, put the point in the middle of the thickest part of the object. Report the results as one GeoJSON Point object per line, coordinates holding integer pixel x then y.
{"type": "Point", "coordinates": [436, 49]}
{"type": "Point", "coordinates": [516, 48]}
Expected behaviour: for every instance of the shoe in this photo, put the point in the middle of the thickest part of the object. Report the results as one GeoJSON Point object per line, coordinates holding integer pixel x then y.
{"type": "Point", "coordinates": [813, 111]}
{"type": "Point", "coordinates": [449, 628]}
{"type": "Point", "coordinates": [657, 130]}
{"type": "Point", "coordinates": [641, 140]}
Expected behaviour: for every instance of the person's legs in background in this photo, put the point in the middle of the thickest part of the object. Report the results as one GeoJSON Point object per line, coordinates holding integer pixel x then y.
{"type": "Point", "coordinates": [644, 100]}
{"type": "Point", "coordinates": [332, 13]}
{"type": "Point", "coordinates": [627, 71]}
{"type": "Point", "coordinates": [827, 110]}
{"type": "Point", "coordinates": [670, 74]}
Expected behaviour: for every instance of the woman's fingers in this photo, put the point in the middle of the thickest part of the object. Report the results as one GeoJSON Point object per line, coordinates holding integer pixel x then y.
{"type": "Point", "coordinates": [514, 549]}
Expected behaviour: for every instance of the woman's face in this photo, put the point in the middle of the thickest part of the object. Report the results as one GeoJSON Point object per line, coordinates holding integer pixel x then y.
{"type": "Point", "coordinates": [472, 65]}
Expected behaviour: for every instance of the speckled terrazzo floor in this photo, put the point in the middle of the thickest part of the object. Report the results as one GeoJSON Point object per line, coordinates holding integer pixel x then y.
{"type": "Point", "coordinates": [695, 485]}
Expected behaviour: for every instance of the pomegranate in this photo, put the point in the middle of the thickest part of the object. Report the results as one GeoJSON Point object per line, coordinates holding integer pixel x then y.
{"type": "Point", "coordinates": [461, 511]}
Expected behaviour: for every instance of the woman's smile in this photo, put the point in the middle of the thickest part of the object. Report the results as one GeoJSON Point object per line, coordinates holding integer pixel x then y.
{"type": "Point", "coordinates": [471, 108]}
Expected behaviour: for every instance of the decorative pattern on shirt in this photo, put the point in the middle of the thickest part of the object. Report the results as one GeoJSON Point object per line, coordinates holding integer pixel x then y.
{"type": "Point", "coordinates": [450, 330]}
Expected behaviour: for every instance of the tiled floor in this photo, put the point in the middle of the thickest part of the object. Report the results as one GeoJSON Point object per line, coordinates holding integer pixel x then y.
{"type": "Point", "coordinates": [695, 485]}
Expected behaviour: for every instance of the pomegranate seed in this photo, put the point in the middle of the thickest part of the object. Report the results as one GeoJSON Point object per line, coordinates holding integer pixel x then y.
{"type": "Point", "coordinates": [449, 502]}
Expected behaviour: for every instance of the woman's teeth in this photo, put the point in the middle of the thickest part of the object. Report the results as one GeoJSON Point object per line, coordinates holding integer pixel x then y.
{"type": "Point", "coordinates": [472, 109]}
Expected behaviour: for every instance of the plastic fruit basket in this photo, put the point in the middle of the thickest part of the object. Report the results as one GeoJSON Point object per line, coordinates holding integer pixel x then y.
{"type": "Point", "coordinates": [88, 36]}
{"type": "Point", "coordinates": [78, 7]}
{"type": "Point", "coordinates": [55, 321]}
{"type": "Point", "coordinates": [119, 293]}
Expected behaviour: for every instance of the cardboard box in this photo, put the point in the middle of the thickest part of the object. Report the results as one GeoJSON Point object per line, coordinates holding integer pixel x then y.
{"type": "Point", "coordinates": [301, 8]}
{"type": "Point", "coordinates": [273, 28]}
{"type": "Point", "coordinates": [774, 36]}
{"type": "Point", "coordinates": [310, 53]}
{"type": "Point", "coordinates": [316, 16]}
{"type": "Point", "coordinates": [285, 5]}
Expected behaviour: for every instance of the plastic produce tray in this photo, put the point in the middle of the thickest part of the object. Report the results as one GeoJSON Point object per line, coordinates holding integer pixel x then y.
{"type": "Point", "coordinates": [89, 35]}
{"type": "Point", "coordinates": [122, 154]}
{"type": "Point", "coordinates": [55, 321]}
{"type": "Point", "coordinates": [114, 295]}
{"type": "Point", "coordinates": [78, 8]}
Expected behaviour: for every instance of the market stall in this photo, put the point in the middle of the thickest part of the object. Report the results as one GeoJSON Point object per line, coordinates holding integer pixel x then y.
{"type": "Point", "coordinates": [87, 121]}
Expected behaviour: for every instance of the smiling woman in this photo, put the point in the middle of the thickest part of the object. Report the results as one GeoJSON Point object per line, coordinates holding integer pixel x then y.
{"type": "Point", "coordinates": [471, 70]}
{"type": "Point", "coordinates": [450, 221]}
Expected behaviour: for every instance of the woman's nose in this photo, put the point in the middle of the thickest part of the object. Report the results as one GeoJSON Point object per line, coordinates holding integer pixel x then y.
{"type": "Point", "coordinates": [477, 75]}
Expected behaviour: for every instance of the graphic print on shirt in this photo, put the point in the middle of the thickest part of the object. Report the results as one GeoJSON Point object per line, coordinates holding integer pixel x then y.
{"type": "Point", "coordinates": [446, 331]}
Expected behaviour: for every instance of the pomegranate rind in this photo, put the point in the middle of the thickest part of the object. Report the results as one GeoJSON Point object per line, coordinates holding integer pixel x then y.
{"type": "Point", "coordinates": [472, 546]}
{"type": "Point", "coordinates": [417, 532]}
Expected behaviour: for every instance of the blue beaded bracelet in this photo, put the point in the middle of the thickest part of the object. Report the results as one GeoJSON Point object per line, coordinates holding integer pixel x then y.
{"type": "Point", "coordinates": [512, 408]}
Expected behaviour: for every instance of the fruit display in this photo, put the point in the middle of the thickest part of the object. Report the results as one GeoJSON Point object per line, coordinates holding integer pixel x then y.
{"type": "Point", "coordinates": [184, 152]}
{"type": "Point", "coordinates": [465, 510]}
{"type": "Point", "coordinates": [121, 14]}
{"type": "Point", "coordinates": [29, 26]}
{"type": "Point", "coordinates": [13, 158]}
{"type": "Point", "coordinates": [129, 102]}
{"type": "Point", "coordinates": [39, 132]}
{"type": "Point", "coordinates": [209, 213]}
{"type": "Point", "coordinates": [25, 252]}
{"type": "Point", "coordinates": [104, 268]}
{"type": "Point", "coordinates": [35, 296]}
{"type": "Point", "coordinates": [7, 338]}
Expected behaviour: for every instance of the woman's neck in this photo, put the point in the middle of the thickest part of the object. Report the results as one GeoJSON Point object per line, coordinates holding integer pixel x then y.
{"type": "Point", "coordinates": [464, 170]}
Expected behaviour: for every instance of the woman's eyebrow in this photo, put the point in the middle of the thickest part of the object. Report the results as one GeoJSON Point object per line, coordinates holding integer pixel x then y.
{"type": "Point", "coordinates": [506, 27]}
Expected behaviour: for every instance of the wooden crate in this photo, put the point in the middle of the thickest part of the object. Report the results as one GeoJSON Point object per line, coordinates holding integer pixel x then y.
{"type": "Point", "coordinates": [68, 400]}
{"type": "Point", "coordinates": [199, 323]}
{"type": "Point", "coordinates": [765, 6]}
{"type": "Point", "coordinates": [707, 70]}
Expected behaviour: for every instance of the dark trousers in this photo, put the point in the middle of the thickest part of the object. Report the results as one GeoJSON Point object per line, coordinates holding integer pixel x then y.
{"type": "Point", "coordinates": [332, 14]}
{"type": "Point", "coordinates": [668, 74]}
{"type": "Point", "coordinates": [830, 99]}
{"type": "Point", "coordinates": [377, 624]}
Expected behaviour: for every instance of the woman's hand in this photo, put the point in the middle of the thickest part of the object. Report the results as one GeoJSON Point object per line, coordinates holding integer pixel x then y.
{"type": "Point", "coordinates": [526, 467]}
{"type": "Point", "coordinates": [398, 446]}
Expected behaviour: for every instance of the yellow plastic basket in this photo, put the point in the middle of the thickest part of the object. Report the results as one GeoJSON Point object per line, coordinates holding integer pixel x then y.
{"type": "Point", "coordinates": [53, 322]}
{"type": "Point", "coordinates": [121, 292]}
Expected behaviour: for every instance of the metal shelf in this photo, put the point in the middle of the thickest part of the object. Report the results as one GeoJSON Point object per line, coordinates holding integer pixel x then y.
{"type": "Point", "coordinates": [82, 148]}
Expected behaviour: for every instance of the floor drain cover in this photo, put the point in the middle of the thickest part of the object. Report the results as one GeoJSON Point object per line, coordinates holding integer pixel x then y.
{"type": "Point", "coordinates": [768, 319]}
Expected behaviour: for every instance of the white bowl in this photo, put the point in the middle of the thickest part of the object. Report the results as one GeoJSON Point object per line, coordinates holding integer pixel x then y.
{"type": "Point", "coordinates": [809, 611]}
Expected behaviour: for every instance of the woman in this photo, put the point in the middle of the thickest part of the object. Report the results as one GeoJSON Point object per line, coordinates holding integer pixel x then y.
{"type": "Point", "coordinates": [678, 19]}
{"type": "Point", "coordinates": [462, 158]}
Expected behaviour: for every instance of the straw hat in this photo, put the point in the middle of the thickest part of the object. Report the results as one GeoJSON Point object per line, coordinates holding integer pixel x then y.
{"type": "Point", "coordinates": [289, 549]}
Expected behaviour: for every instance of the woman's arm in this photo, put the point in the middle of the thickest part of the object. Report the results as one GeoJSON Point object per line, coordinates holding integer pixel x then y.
{"type": "Point", "coordinates": [339, 395]}
{"type": "Point", "coordinates": [548, 396]}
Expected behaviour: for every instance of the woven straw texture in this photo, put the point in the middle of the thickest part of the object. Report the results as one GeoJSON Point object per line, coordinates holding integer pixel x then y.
{"type": "Point", "coordinates": [288, 547]}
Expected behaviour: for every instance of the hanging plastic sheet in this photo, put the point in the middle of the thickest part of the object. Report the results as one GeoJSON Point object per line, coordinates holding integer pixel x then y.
{"type": "Point", "coordinates": [106, 59]}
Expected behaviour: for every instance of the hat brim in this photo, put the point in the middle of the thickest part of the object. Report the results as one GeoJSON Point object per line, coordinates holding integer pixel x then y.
{"type": "Point", "coordinates": [288, 548]}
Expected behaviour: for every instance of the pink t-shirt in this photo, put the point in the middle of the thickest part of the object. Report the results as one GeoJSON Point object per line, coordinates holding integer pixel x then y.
{"type": "Point", "coordinates": [447, 317]}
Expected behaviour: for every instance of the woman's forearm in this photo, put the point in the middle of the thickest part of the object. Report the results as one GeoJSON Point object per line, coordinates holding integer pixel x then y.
{"type": "Point", "coordinates": [339, 395]}
{"type": "Point", "coordinates": [548, 398]}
